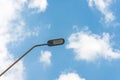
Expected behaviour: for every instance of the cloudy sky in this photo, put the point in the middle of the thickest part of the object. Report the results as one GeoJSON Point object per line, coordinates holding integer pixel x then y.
{"type": "Point", "coordinates": [90, 29]}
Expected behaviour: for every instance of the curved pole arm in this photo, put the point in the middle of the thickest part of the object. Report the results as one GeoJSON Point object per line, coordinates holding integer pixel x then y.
{"type": "Point", "coordinates": [21, 58]}
{"type": "Point", "coordinates": [53, 42]}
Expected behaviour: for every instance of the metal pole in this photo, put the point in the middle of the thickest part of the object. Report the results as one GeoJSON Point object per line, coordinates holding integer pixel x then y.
{"type": "Point", "coordinates": [53, 42]}
{"type": "Point", "coordinates": [20, 58]}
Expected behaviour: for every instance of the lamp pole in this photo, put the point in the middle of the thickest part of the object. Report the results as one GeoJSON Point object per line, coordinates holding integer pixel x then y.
{"type": "Point", "coordinates": [53, 42]}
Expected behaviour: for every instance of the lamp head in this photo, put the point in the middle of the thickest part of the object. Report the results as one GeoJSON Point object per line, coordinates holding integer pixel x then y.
{"type": "Point", "coordinates": [55, 42]}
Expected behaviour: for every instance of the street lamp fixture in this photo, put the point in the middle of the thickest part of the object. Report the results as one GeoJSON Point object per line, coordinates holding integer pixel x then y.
{"type": "Point", "coordinates": [56, 42]}
{"type": "Point", "coordinates": [53, 42]}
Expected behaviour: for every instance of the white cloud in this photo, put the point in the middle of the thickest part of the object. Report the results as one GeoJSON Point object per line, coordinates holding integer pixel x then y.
{"type": "Point", "coordinates": [104, 7]}
{"type": "Point", "coordinates": [90, 47]}
{"type": "Point", "coordinates": [70, 76]}
{"type": "Point", "coordinates": [16, 72]}
{"type": "Point", "coordinates": [12, 29]}
{"type": "Point", "coordinates": [45, 57]}
{"type": "Point", "coordinates": [40, 5]}
{"type": "Point", "coordinates": [9, 11]}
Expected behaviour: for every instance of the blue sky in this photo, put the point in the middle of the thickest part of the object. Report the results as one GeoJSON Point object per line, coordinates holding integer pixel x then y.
{"type": "Point", "coordinates": [90, 29]}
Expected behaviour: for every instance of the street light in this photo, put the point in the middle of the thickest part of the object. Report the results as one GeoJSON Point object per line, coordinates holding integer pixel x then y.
{"type": "Point", "coordinates": [53, 42]}
{"type": "Point", "coordinates": [56, 42]}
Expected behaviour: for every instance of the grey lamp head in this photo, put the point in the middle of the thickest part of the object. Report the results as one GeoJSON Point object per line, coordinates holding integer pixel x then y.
{"type": "Point", "coordinates": [55, 42]}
